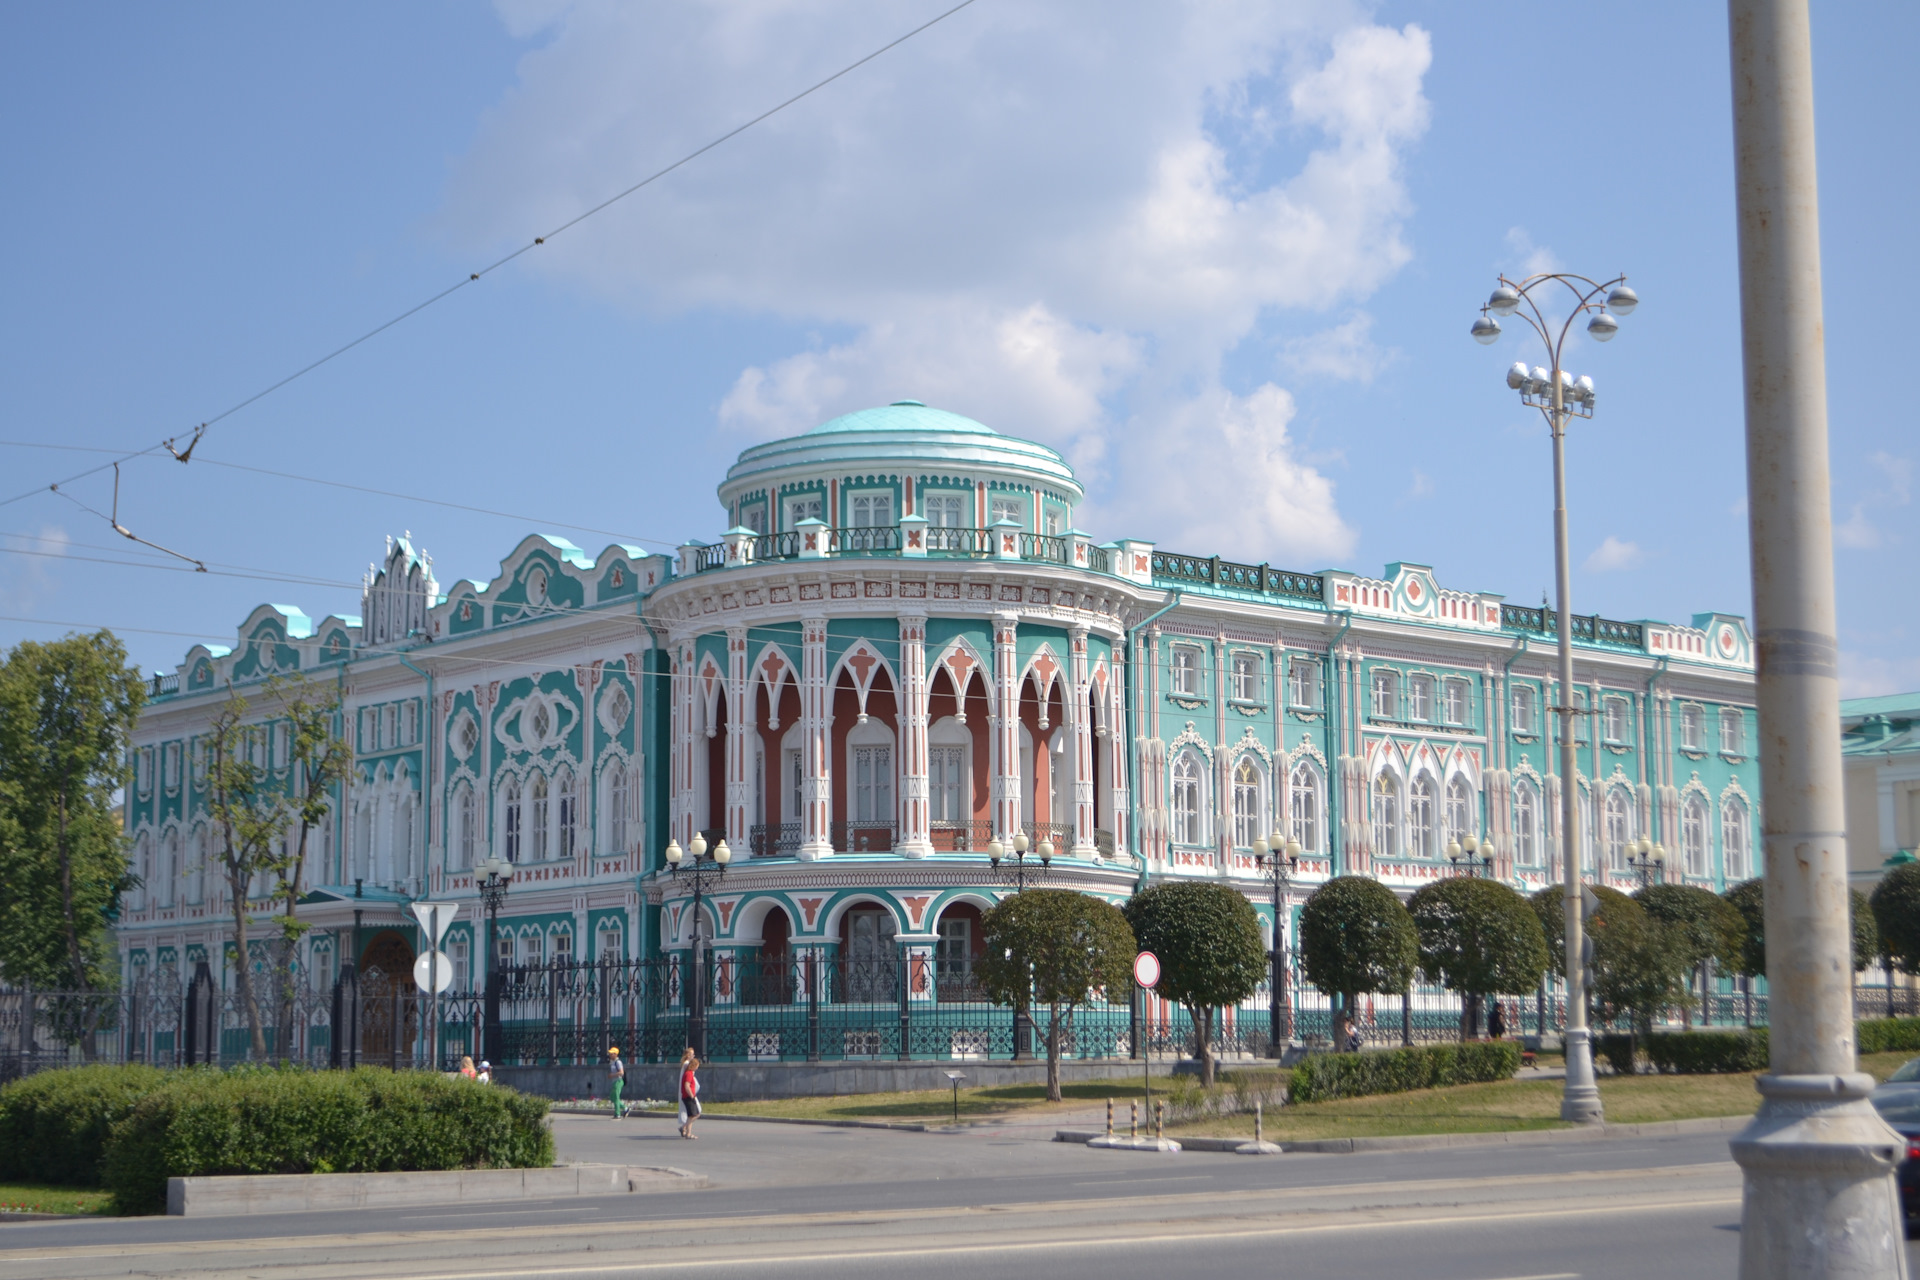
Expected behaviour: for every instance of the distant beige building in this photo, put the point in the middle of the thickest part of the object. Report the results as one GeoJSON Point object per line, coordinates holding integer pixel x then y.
{"type": "Point", "coordinates": [1880, 741]}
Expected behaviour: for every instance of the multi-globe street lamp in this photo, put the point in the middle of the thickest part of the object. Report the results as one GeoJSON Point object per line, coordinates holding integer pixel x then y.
{"type": "Point", "coordinates": [1278, 857]}
{"type": "Point", "coordinates": [1465, 852]}
{"type": "Point", "coordinates": [1017, 871]}
{"type": "Point", "coordinates": [704, 872]}
{"type": "Point", "coordinates": [491, 878]}
{"type": "Point", "coordinates": [1560, 397]}
{"type": "Point", "coordinates": [1647, 860]}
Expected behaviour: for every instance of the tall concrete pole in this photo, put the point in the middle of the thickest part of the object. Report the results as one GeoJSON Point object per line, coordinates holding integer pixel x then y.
{"type": "Point", "coordinates": [1820, 1196]}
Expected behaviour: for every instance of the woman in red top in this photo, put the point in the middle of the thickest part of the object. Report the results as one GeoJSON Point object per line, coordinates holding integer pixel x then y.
{"type": "Point", "coordinates": [689, 1093]}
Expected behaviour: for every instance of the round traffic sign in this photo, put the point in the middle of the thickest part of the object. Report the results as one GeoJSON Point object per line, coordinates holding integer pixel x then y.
{"type": "Point", "coordinates": [1146, 969]}
{"type": "Point", "coordinates": [433, 967]}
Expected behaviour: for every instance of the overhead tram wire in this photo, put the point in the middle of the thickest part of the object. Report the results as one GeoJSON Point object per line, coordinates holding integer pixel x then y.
{"type": "Point", "coordinates": [536, 521]}
{"type": "Point", "coordinates": [473, 277]}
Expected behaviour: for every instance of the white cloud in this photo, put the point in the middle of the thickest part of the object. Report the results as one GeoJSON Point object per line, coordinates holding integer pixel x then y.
{"type": "Point", "coordinates": [1613, 555]}
{"type": "Point", "coordinates": [1857, 532]}
{"type": "Point", "coordinates": [28, 579]}
{"type": "Point", "coordinates": [1867, 676]}
{"type": "Point", "coordinates": [1055, 218]}
{"type": "Point", "coordinates": [1345, 351]}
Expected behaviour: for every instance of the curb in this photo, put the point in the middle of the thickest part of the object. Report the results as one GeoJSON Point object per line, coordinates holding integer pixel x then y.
{"type": "Point", "coordinates": [226, 1196]}
{"type": "Point", "coordinates": [1433, 1141]}
{"type": "Point", "coordinates": [904, 1126]}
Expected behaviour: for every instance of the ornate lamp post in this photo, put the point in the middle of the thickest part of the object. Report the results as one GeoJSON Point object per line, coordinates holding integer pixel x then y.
{"type": "Point", "coordinates": [1560, 397]}
{"type": "Point", "coordinates": [493, 895]}
{"type": "Point", "coordinates": [1466, 852]}
{"type": "Point", "coordinates": [1019, 872]}
{"type": "Point", "coordinates": [1648, 861]}
{"type": "Point", "coordinates": [705, 874]}
{"type": "Point", "coordinates": [1278, 857]}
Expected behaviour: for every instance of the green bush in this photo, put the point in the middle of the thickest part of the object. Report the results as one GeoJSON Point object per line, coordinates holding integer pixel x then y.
{"type": "Point", "coordinates": [1691, 1053]}
{"type": "Point", "coordinates": [1888, 1035]}
{"type": "Point", "coordinates": [1325, 1076]}
{"type": "Point", "coordinates": [289, 1121]}
{"type": "Point", "coordinates": [1617, 1048]}
{"type": "Point", "coordinates": [54, 1125]}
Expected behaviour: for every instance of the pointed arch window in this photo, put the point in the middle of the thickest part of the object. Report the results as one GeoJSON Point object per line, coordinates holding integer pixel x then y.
{"type": "Point", "coordinates": [1304, 805]}
{"type": "Point", "coordinates": [510, 821]}
{"type": "Point", "coordinates": [1526, 823]}
{"type": "Point", "coordinates": [1619, 829]}
{"type": "Point", "coordinates": [1736, 838]}
{"type": "Point", "coordinates": [567, 812]}
{"type": "Point", "coordinates": [540, 811]}
{"type": "Point", "coordinates": [170, 868]}
{"type": "Point", "coordinates": [1185, 798]}
{"type": "Point", "coordinates": [1422, 827]}
{"type": "Point", "coordinates": [1460, 823]}
{"type": "Point", "coordinates": [1386, 815]}
{"type": "Point", "coordinates": [617, 809]}
{"type": "Point", "coordinates": [1693, 835]}
{"type": "Point", "coordinates": [463, 819]}
{"type": "Point", "coordinates": [1247, 826]}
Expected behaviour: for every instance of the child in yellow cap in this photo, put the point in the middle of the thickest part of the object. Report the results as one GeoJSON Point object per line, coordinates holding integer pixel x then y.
{"type": "Point", "coordinates": [617, 1074]}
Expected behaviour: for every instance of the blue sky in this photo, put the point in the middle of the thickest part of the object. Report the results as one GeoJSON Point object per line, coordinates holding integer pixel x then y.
{"type": "Point", "coordinates": [1224, 258]}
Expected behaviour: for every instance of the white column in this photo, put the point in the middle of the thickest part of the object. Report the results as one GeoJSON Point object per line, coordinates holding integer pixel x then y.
{"type": "Point", "coordinates": [1006, 727]}
{"type": "Point", "coordinates": [1080, 721]}
{"type": "Point", "coordinates": [739, 745]}
{"type": "Point", "coordinates": [1119, 753]}
{"type": "Point", "coordinates": [816, 767]}
{"type": "Point", "coordinates": [915, 816]}
{"type": "Point", "coordinates": [683, 743]}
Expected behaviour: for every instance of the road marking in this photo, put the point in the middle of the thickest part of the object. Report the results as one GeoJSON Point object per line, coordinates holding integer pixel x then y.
{"type": "Point", "coordinates": [1147, 1177]}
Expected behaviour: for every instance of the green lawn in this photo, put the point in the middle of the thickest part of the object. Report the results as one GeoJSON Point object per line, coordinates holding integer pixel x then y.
{"type": "Point", "coordinates": [26, 1197]}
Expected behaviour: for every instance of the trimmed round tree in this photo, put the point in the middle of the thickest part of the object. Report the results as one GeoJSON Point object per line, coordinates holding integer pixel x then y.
{"type": "Point", "coordinates": [1704, 926]}
{"type": "Point", "coordinates": [1356, 936]}
{"type": "Point", "coordinates": [1864, 914]}
{"type": "Point", "coordinates": [1896, 906]}
{"type": "Point", "coordinates": [1207, 937]}
{"type": "Point", "coordinates": [1637, 967]}
{"type": "Point", "coordinates": [1057, 949]}
{"type": "Point", "coordinates": [1480, 938]}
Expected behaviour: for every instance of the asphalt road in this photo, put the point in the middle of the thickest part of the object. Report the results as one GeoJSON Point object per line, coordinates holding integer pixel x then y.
{"type": "Point", "coordinates": [805, 1201]}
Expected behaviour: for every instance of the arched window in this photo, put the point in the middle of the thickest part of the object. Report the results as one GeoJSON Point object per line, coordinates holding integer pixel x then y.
{"type": "Point", "coordinates": [1246, 803]}
{"type": "Point", "coordinates": [1736, 838]}
{"type": "Point", "coordinates": [1303, 786]}
{"type": "Point", "coordinates": [363, 840]}
{"type": "Point", "coordinates": [197, 874]}
{"type": "Point", "coordinates": [1186, 799]}
{"type": "Point", "coordinates": [537, 819]}
{"type": "Point", "coordinates": [1584, 830]}
{"type": "Point", "coordinates": [563, 790]}
{"type": "Point", "coordinates": [1422, 830]}
{"type": "Point", "coordinates": [1386, 815]}
{"type": "Point", "coordinates": [1619, 829]}
{"type": "Point", "coordinates": [142, 867]}
{"type": "Point", "coordinates": [617, 808]}
{"type": "Point", "coordinates": [464, 824]}
{"type": "Point", "coordinates": [1526, 823]}
{"type": "Point", "coordinates": [510, 820]}
{"type": "Point", "coordinates": [1460, 823]}
{"type": "Point", "coordinates": [1693, 835]}
{"type": "Point", "coordinates": [170, 868]}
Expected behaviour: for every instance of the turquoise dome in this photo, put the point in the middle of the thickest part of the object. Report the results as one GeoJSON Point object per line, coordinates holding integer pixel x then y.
{"type": "Point", "coordinates": [902, 415]}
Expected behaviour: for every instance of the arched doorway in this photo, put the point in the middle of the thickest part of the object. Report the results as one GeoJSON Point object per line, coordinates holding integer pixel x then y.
{"type": "Point", "coordinates": [869, 958]}
{"type": "Point", "coordinates": [961, 941]}
{"type": "Point", "coordinates": [386, 974]}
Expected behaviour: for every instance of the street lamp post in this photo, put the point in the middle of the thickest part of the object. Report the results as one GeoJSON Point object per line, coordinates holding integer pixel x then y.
{"type": "Point", "coordinates": [1466, 853]}
{"type": "Point", "coordinates": [1019, 872]}
{"type": "Point", "coordinates": [493, 896]}
{"type": "Point", "coordinates": [1560, 397]}
{"type": "Point", "coordinates": [1648, 861]}
{"type": "Point", "coordinates": [1278, 857]}
{"type": "Point", "coordinates": [704, 874]}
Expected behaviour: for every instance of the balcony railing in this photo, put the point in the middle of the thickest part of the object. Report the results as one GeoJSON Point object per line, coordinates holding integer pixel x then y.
{"type": "Point", "coordinates": [875, 836]}
{"type": "Point", "coordinates": [774, 839]}
{"type": "Point", "coordinates": [864, 540]}
{"type": "Point", "coordinates": [1040, 546]}
{"type": "Point", "coordinates": [1589, 627]}
{"type": "Point", "coordinates": [959, 542]}
{"type": "Point", "coordinates": [164, 685]}
{"type": "Point", "coordinates": [960, 836]}
{"type": "Point", "coordinates": [1212, 571]}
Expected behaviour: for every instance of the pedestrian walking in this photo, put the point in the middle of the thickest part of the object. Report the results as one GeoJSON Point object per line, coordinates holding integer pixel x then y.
{"type": "Point", "coordinates": [466, 1068]}
{"type": "Point", "coordinates": [486, 1072]}
{"type": "Point", "coordinates": [1497, 1022]}
{"type": "Point", "coordinates": [689, 1093]}
{"type": "Point", "coordinates": [616, 1078]}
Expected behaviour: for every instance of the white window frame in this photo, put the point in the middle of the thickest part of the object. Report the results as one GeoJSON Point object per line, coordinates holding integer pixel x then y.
{"type": "Point", "coordinates": [1693, 727]}
{"type": "Point", "coordinates": [1004, 506]}
{"type": "Point", "coordinates": [1423, 818]}
{"type": "Point", "coordinates": [946, 510]}
{"type": "Point", "coordinates": [1247, 787]}
{"type": "Point", "coordinates": [1246, 676]}
{"type": "Point", "coordinates": [1733, 732]}
{"type": "Point", "coordinates": [1187, 799]}
{"type": "Point", "coordinates": [1736, 838]}
{"type": "Point", "coordinates": [1617, 813]}
{"type": "Point", "coordinates": [464, 826]}
{"type": "Point", "coordinates": [1303, 684]}
{"type": "Point", "coordinates": [1526, 710]}
{"type": "Point", "coordinates": [1384, 685]}
{"type": "Point", "coordinates": [1526, 823]}
{"type": "Point", "coordinates": [1185, 669]}
{"type": "Point", "coordinates": [1420, 698]}
{"type": "Point", "coordinates": [1696, 846]}
{"type": "Point", "coordinates": [1459, 807]}
{"type": "Point", "coordinates": [870, 509]}
{"type": "Point", "coordinates": [804, 506]}
{"type": "Point", "coordinates": [1305, 805]}
{"type": "Point", "coordinates": [1617, 721]}
{"type": "Point", "coordinates": [1456, 701]}
{"type": "Point", "coordinates": [1385, 814]}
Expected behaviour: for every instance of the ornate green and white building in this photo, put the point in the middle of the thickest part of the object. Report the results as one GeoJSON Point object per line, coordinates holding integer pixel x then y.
{"type": "Point", "coordinates": [901, 649]}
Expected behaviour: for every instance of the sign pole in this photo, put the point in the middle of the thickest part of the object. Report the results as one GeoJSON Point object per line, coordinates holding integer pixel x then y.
{"type": "Point", "coordinates": [1146, 976]}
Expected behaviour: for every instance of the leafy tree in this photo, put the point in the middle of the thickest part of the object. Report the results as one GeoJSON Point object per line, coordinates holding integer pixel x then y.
{"type": "Point", "coordinates": [1480, 938]}
{"type": "Point", "coordinates": [1865, 917]}
{"type": "Point", "coordinates": [1355, 936]}
{"type": "Point", "coordinates": [1896, 908]}
{"type": "Point", "coordinates": [1059, 948]}
{"type": "Point", "coordinates": [319, 759]}
{"type": "Point", "coordinates": [67, 710]}
{"type": "Point", "coordinates": [251, 812]}
{"type": "Point", "coordinates": [1704, 925]}
{"type": "Point", "coordinates": [1207, 937]}
{"type": "Point", "coordinates": [1638, 967]}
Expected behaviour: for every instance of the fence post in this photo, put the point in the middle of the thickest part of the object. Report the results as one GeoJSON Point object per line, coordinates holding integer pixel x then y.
{"type": "Point", "coordinates": [606, 1004]}
{"type": "Point", "coordinates": [1136, 1024]}
{"type": "Point", "coordinates": [813, 1006]}
{"type": "Point", "coordinates": [492, 1044]}
{"type": "Point", "coordinates": [399, 1025]}
{"type": "Point", "coordinates": [26, 1022]}
{"type": "Point", "coordinates": [906, 1002]}
{"type": "Point", "coordinates": [131, 1053]}
{"type": "Point", "coordinates": [553, 1013]}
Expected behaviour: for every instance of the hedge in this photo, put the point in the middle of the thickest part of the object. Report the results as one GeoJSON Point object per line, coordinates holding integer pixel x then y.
{"type": "Point", "coordinates": [1325, 1076]}
{"type": "Point", "coordinates": [288, 1121]}
{"type": "Point", "coordinates": [54, 1125]}
{"type": "Point", "coordinates": [1687, 1053]}
{"type": "Point", "coordinates": [1888, 1035]}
